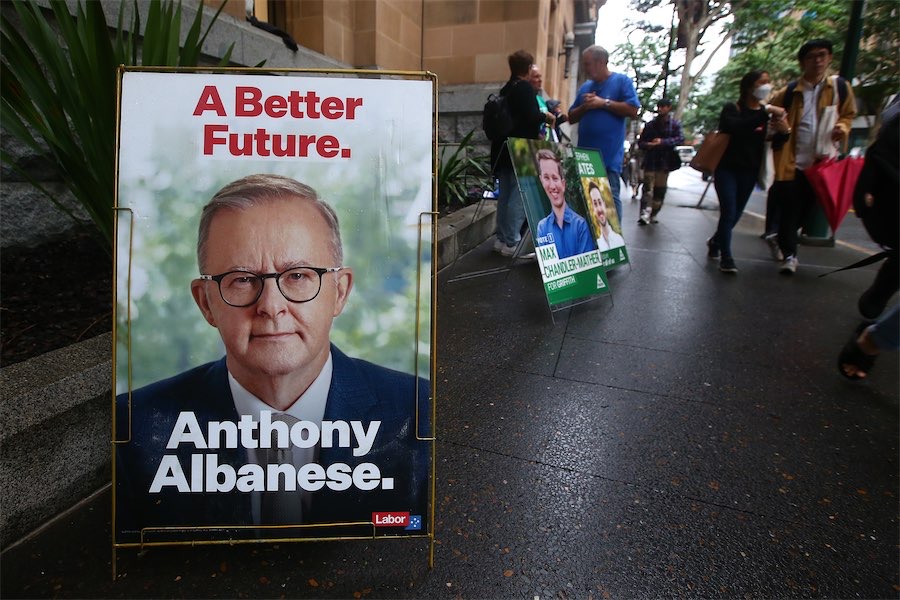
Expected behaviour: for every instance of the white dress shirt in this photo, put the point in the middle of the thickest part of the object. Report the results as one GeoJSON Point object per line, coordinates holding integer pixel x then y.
{"type": "Point", "coordinates": [310, 406]}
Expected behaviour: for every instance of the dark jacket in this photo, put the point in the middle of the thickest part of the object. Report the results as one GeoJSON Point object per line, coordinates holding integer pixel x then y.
{"type": "Point", "coordinates": [880, 177]}
{"type": "Point", "coordinates": [664, 157]}
{"type": "Point", "coordinates": [527, 118]}
{"type": "Point", "coordinates": [360, 391]}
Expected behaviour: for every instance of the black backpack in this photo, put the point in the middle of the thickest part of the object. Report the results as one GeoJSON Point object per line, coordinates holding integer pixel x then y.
{"type": "Point", "coordinates": [496, 119]}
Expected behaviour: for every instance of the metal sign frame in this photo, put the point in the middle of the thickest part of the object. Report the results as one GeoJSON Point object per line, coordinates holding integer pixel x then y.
{"type": "Point", "coordinates": [427, 229]}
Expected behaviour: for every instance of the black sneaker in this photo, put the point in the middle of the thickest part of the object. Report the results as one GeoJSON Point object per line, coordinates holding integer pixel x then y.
{"type": "Point", "coordinates": [727, 265]}
{"type": "Point", "coordinates": [712, 250]}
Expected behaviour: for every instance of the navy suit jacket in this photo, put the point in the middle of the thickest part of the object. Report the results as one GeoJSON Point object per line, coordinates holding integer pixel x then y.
{"type": "Point", "coordinates": [360, 391]}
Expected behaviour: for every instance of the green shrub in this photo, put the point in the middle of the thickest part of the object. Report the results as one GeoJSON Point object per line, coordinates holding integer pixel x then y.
{"type": "Point", "coordinates": [459, 171]}
{"type": "Point", "coordinates": [58, 87]}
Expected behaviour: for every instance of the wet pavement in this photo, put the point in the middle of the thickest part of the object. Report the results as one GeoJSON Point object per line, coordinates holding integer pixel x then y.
{"type": "Point", "coordinates": [688, 436]}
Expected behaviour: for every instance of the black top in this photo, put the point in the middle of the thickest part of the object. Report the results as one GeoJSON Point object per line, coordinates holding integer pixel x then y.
{"type": "Point", "coordinates": [527, 118]}
{"type": "Point", "coordinates": [747, 128]}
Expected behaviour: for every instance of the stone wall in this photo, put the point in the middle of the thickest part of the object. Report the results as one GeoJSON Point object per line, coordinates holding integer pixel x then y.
{"type": "Point", "coordinates": [30, 218]}
{"type": "Point", "coordinates": [459, 111]}
{"type": "Point", "coordinates": [55, 433]}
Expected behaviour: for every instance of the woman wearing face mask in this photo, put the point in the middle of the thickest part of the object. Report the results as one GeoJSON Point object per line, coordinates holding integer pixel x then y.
{"type": "Point", "coordinates": [747, 122]}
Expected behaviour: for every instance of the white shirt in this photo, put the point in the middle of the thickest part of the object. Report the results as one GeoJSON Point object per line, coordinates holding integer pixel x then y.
{"type": "Point", "coordinates": [615, 240]}
{"type": "Point", "coordinates": [310, 406]}
{"type": "Point", "coordinates": [805, 131]}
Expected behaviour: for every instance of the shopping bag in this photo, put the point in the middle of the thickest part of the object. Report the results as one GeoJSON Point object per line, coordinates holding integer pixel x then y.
{"type": "Point", "coordinates": [766, 175]}
{"type": "Point", "coordinates": [833, 182]}
{"type": "Point", "coordinates": [710, 153]}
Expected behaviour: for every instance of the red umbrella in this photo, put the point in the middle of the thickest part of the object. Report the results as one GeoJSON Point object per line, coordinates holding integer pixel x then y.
{"type": "Point", "coordinates": [833, 181]}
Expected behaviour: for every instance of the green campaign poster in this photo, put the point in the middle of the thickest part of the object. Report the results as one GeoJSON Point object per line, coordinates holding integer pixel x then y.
{"type": "Point", "coordinates": [557, 208]}
{"type": "Point", "coordinates": [601, 208]}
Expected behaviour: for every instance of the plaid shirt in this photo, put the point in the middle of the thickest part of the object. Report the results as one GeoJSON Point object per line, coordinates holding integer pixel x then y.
{"type": "Point", "coordinates": [664, 157]}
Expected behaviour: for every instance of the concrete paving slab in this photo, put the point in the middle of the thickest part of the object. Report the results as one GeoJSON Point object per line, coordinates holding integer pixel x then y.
{"type": "Point", "coordinates": [692, 449]}
{"type": "Point", "coordinates": [628, 541]}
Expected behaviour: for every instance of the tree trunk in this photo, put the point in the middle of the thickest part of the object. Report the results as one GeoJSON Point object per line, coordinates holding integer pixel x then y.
{"type": "Point", "coordinates": [694, 18]}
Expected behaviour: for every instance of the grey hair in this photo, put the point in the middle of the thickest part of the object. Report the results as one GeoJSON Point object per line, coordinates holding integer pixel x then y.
{"type": "Point", "coordinates": [596, 53]}
{"type": "Point", "coordinates": [254, 190]}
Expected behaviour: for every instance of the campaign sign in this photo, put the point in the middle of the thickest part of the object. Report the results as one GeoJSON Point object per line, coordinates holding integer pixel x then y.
{"type": "Point", "coordinates": [273, 306]}
{"type": "Point", "coordinates": [601, 207]}
{"type": "Point", "coordinates": [556, 207]}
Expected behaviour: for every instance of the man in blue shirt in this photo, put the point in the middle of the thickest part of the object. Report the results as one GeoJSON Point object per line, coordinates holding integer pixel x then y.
{"type": "Point", "coordinates": [563, 226]}
{"type": "Point", "coordinates": [601, 106]}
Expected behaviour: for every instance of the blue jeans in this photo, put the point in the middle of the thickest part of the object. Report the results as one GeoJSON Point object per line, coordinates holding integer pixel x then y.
{"type": "Point", "coordinates": [510, 208]}
{"type": "Point", "coordinates": [615, 183]}
{"type": "Point", "coordinates": [886, 331]}
{"type": "Point", "coordinates": [733, 188]}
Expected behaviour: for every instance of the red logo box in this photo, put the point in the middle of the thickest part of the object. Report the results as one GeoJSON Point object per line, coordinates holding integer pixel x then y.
{"type": "Point", "coordinates": [390, 519]}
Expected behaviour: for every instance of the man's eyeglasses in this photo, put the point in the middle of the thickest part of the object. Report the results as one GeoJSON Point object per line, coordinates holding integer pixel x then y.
{"type": "Point", "coordinates": [243, 288]}
{"type": "Point", "coordinates": [821, 55]}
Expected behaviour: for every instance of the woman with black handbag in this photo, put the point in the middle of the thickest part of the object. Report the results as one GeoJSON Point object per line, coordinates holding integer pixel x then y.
{"type": "Point", "coordinates": [747, 122]}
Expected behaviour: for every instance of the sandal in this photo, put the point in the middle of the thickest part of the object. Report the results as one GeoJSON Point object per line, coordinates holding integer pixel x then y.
{"type": "Point", "coordinates": [851, 354]}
